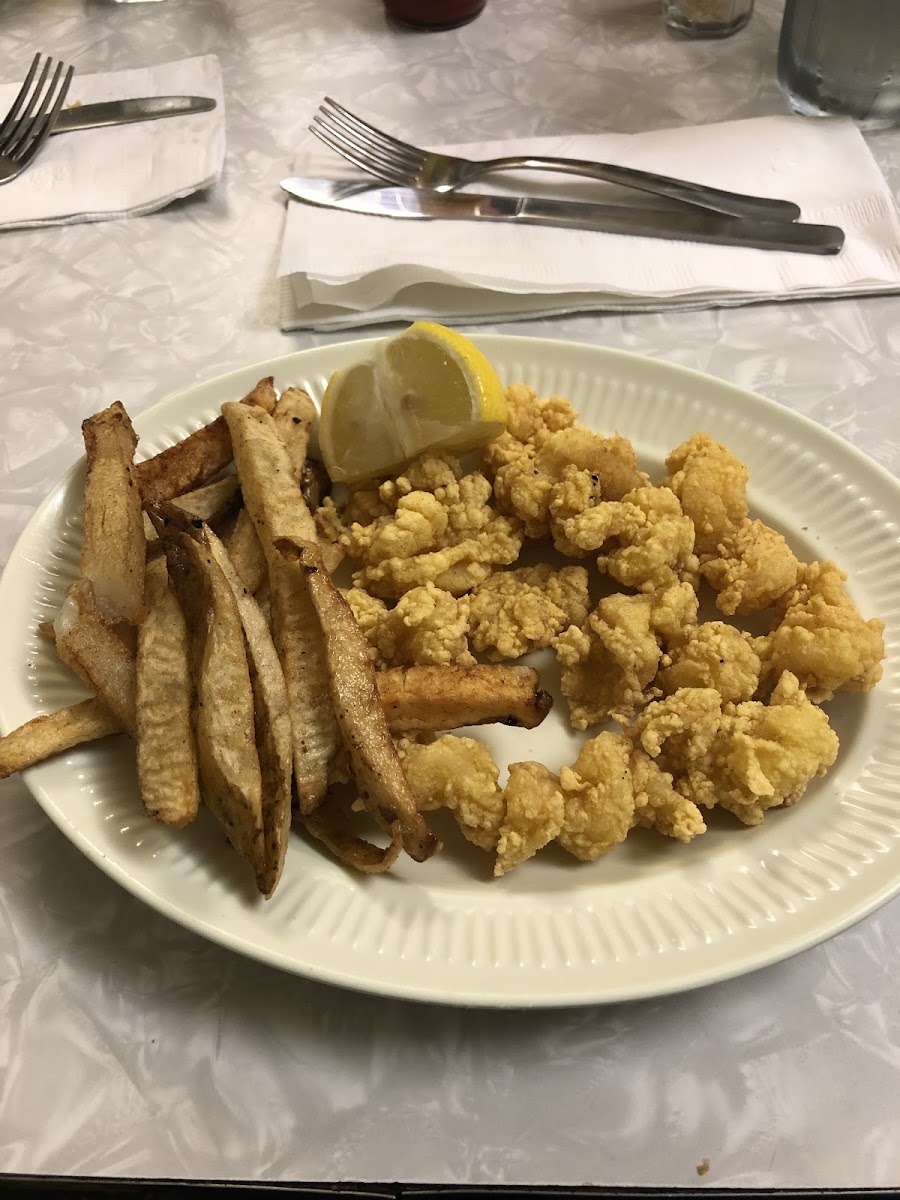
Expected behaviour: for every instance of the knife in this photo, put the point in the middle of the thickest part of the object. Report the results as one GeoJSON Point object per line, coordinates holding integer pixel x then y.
{"type": "Point", "coordinates": [408, 203]}
{"type": "Point", "coordinates": [122, 112]}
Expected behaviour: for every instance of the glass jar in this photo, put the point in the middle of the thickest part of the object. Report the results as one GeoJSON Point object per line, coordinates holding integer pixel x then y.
{"type": "Point", "coordinates": [707, 18]}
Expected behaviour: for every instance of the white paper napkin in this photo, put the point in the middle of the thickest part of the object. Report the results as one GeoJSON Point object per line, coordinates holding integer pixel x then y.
{"type": "Point", "coordinates": [123, 170]}
{"type": "Point", "coordinates": [340, 270]}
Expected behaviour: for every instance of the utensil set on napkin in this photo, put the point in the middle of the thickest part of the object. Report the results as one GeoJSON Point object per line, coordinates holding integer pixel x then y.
{"type": "Point", "coordinates": [106, 172]}
{"type": "Point", "coordinates": [452, 255]}
{"type": "Point", "coordinates": [426, 180]}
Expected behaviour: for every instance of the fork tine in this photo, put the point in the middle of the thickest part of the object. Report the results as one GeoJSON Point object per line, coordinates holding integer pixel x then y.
{"type": "Point", "coordinates": [10, 118]}
{"type": "Point", "coordinates": [48, 116]}
{"type": "Point", "coordinates": [349, 121]}
{"type": "Point", "coordinates": [23, 120]}
{"type": "Point", "coordinates": [374, 160]}
{"type": "Point", "coordinates": [363, 161]}
{"type": "Point", "coordinates": [25, 126]}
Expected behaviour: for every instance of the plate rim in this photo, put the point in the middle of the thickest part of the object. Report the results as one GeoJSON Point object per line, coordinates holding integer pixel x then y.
{"type": "Point", "coordinates": [509, 344]}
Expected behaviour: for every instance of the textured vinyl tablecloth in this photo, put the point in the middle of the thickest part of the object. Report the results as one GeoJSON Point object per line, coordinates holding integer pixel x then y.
{"type": "Point", "coordinates": [129, 1046]}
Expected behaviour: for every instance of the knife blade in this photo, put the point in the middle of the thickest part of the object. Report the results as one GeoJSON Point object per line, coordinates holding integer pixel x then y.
{"type": "Point", "coordinates": [410, 204]}
{"type": "Point", "coordinates": [123, 112]}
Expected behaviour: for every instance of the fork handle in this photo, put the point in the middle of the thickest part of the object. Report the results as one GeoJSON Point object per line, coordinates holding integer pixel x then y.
{"type": "Point", "coordinates": [698, 194]}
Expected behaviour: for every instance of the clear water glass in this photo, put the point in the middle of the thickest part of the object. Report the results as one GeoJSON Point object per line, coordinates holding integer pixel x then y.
{"type": "Point", "coordinates": [842, 57]}
{"type": "Point", "coordinates": [707, 18]}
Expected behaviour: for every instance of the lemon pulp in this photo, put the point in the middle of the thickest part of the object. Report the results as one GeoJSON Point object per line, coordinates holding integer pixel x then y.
{"type": "Point", "coordinates": [428, 388]}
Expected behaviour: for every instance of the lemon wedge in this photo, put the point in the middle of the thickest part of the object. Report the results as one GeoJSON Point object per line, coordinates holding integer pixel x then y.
{"type": "Point", "coordinates": [427, 388]}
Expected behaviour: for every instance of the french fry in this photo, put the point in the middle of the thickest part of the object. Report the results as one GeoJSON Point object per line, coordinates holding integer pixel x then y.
{"type": "Point", "coordinates": [166, 751]}
{"type": "Point", "coordinates": [373, 757]}
{"type": "Point", "coordinates": [276, 507]}
{"type": "Point", "coordinates": [330, 825]}
{"type": "Point", "coordinates": [429, 699]}
{"type": "Point", "coordinates": [97, 653]}
{"type": "Point", "coordinates": [246, 552]}
{"type": "Point", "coordinates": [113, 554]}
{"type": "Point", "coordinates": [272, 718]}
{"type": "Point", "coordinates": [314, 483]}
{"type": "Point", "coordinates": [212, 501]}
{"type": "Point", "coordinates": [295, 416]}
{"type": "Point", "coordinates": [223, 713]}
{"type": "Point", "coordinates": [197, 458]}
{"type": "Point", "coordinates": [54, 733]}
{"type": "Point", "coordinates": [414, 699]}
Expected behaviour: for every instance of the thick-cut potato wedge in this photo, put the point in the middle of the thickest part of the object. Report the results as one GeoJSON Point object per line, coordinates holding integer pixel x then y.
{"type": "Point", "coordinates": [373, 757]}
{"type": "Point", "coordinates": [223, 715]}
{"type": "Point", "coordinates": [166, 751]}
{"type": "Point", "coordinates": [212, 501]}
{"type": "Point", "coordinates": [274, 741]}
{"type": "Point", "coordinates": [114, 552]}
{"type": "Point", "coordinates": [246, 552]}
{"type": "Point", "coordinates": [414, 699]}
{"type": "Point", "coordinates": [199, 457]}
{"type": "Point", "coordinates": [53, 733]}
{"type": "Point", "coordinates": [429, 699]}
{"type": "Point", "coordinates": [330, 825]}
{"type": "Point", "coordinates": [272, 497]}
{"type": "Point", "coordinates": [294, 416]}
{"type": "Point", "coordinates": [97, 653]}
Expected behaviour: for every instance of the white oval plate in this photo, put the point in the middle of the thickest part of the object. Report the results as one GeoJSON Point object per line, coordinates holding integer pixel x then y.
{"type": "Point", "coordinates": [653, 917]}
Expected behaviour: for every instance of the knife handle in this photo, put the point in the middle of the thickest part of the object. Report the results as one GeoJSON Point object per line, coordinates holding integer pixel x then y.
{"type": "Point", "coordinates": [686, 226]}
{"type": "Point", "coordinates": [698, 194]}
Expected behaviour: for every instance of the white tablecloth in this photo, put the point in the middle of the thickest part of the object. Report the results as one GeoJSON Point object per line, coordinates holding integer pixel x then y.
{"type": "Point", "coordinates": [129, 1046]}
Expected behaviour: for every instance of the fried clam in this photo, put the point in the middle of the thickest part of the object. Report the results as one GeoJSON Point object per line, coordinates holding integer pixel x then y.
{"type": "Point", "coordinates": [364, 728]}
{"type": "Point", "coordinates": [224, 718]}
{"type": "Point", "coordinates": [274, 502]}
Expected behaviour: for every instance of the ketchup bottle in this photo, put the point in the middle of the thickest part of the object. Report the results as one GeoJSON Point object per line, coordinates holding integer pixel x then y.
{"type": "Point", "coordinates": [433, 14]}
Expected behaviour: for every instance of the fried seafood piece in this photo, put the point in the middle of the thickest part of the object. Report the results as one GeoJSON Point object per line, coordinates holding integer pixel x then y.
{"type": "Point", "coordinates": [534, 814]}
{"type": "Point", "coordinates": [657, 805]}
{"type": "Point", "coordinates": [527, 485]}
{"type": "Point", "coordinates": [530, 422]}
{"type": "Point", "coordinates": [712, 655]}
{"type": "Point", "coordinates": [440, 528]}
{"type": "Point", "coordinates": [749, 564]}
{"type": "Point", "coordinates": [746, 758]}
{"type": "Point", "coordinates": [517, 611]}
{"type": "Point", "coordinates": [711, 484]}
{"type": "Point", "coordinates": [599, 797]}
{"type": "Point", "coordinates": [459, 774]}
{"type": "Point", "coordinates": [644, 540]}
{"type": "Point", "coordinates": [750, 569]}
{"type": "Point", "coordinates": [609, 662]}
{"type": "Point", "coordinates": [820, 636]}
{"type": "Point", "coordinates": [426, 627]}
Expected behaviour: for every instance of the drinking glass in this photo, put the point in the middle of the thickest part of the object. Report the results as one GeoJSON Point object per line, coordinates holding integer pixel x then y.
{"type": "Point", "coordinates": [839, 57]}
{"type": "Point", "coordinates": [707, 18]}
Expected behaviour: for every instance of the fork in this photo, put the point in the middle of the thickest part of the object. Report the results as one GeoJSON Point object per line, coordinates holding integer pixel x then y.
{"type": "Point", "coordinates": [28, 123]}
{"type": "Point", "coordinates": [379, 154]}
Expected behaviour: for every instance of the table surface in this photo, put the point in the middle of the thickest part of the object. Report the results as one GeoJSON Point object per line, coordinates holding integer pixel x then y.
{"type": "Point", "coordinates": [130, 1046]}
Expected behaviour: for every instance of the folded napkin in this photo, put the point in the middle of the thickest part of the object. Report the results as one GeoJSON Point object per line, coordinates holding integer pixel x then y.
{"type": "Point", "coordinates": [123, 170]}
{"type": "Point", "coordinates": [340, 270]}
